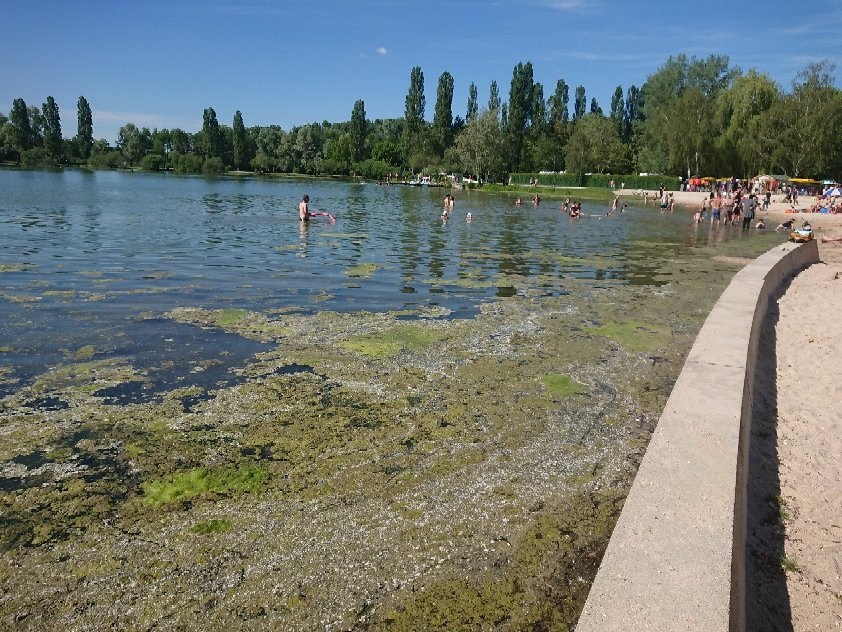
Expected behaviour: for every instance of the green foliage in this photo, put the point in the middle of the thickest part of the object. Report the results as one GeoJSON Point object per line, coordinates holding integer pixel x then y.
{"type": "Point", "coordinates": [22, 133]}
{"type": "Point", "coordinates": [52, 128]}
{"type": "Point", "coordinates": [443, 116]}
{"type": "Point", "coordinates": [152, 162]}
{"type": "Point", "coordinates": [373, 169]}
{"type": "Point", "coordinates": [36, 157]}
{"type": "Point", "coordinates": [186, 163]}
{"type": "Point", "coordinates": [213, 165]}
{"type": "Point", "coordinates": [357, 132]}
{"type": "Point", "coordinates": [214, 525]}
{"type": "Point", "coordinates": [472, 110]}
{"type": "Point", "coordinates": [239, 141]}
{"type": "Point", "coordinates": [595, 146]}
{"type": "Point", "coordinates": [105, 160]}
{"type": "Point", "coordinates": [85, 128]}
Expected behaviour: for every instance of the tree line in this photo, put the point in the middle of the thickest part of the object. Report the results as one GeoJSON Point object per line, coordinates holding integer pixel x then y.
{"type": "Point", "coordinates": [692, 116]}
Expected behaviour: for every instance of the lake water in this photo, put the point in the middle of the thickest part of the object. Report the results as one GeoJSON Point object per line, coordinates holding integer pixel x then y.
{"type": "Point", "coordinates": [232, 420]}
{"type": "Point", "coordinates": [84, 254]}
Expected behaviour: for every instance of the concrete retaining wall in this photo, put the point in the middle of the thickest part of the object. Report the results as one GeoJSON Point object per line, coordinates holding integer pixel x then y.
{"type": "Point", "coordinates": [676, 559]}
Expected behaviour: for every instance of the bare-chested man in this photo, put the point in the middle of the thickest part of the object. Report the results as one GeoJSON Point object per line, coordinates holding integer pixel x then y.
{"type": "Point", "coordinates": [304, 209]}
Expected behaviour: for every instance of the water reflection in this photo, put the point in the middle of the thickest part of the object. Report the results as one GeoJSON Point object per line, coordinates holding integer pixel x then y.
{"type": "Point", "coordinates": [84, 252]}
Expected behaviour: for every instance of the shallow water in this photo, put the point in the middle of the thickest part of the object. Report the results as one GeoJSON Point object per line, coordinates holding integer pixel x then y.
{"type": "Point", "coordinates": [85, 254]}
{"type": "Point", "coordinates": [211, 413]}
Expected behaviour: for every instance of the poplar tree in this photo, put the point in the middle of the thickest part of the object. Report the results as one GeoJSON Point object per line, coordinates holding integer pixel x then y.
{"type": "Point", "coordinates": [520, 109]}
{"type": "Point", "coordinates": [238, 140]}
{"type": "Point", "coordinates": [443, 116]}
{"type": "Point", "coordinates": [84, 128]}
{"type": "Point", "coordinates": [595, 109]}
{"type": "Point", "coordinates": [580, 103]}
{"type": "Point", "coordinates": [414, 111]}
{"type": "Point", "coordinates": [472, 104]}
{"type": "Point", "coordinates": [52, 128]}
{"type": "Point", "coordinates": [210, 134]}
{"type": "Point", "coordinates": [493, 97]}
{"type": "Point", "coordinates": [559, 114]}
{"type": "Point", "coordinates": [358, 131]}
{"type": "Point", "coordinates": [22, 136]}
{"type": "Point", "coordinates": [618, 110]}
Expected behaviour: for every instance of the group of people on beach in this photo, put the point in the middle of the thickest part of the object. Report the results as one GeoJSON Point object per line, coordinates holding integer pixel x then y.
{"type": "Point", "coordinates": [729, 209]}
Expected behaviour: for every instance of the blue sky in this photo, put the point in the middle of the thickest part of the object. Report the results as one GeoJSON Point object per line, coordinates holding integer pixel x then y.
{"type": "Point", "coordinates": [160, 63]}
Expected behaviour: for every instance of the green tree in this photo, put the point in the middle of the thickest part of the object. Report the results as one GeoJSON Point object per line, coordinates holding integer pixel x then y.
{"type": "Point", "coordinates": [84, 127]}
{"type": "Point", "coordinates": [211, 138]}
{"type": "Point", "coordinates": [22, 135]}
{"type": "Point", "coordinates": [473, 110]}
{"type": "Point", "coordinates": [133, 143]}
{"type": "Point", "coordinates": [480, 147]}
{"type": "Point", "coordinates": [52, 128]}
{"type": "Point", "coordinates": [520, 110]}
{"type": "Point", "coordinates": [595, 109]}
{"type": "Point", "coordinates": [443, 115]}
{"type": "Point", "coordinates": [594, 147]}
{"type": "Point", "coordinates": [387, 151]}
{"type": "Point", "coordinates": [633, 113]}
{"type": "Point", "coordinates": [239, 141]}
{"type": "Point", "coordinates": [741, 109]}
{"type": "Point", "coordinates": [617, 115]}
{"type": "Point", "coordinates": [801, 131]}
{"type": "Point", "coordinates": [579, 103]}
{"type": "Point", "coordinates": [493, 97]}
{"type": "Point", "coordinates": [414, 111]}
{"type": "Point", "coordinates": [358, 132]}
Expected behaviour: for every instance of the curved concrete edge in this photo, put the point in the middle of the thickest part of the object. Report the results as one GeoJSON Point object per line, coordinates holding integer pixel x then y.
{"type": "Point", "coordinates": [676, 558]}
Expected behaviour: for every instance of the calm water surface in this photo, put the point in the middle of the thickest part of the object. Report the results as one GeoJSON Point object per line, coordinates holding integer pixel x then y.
{"type": "Point", "coordinates": [84, 254]}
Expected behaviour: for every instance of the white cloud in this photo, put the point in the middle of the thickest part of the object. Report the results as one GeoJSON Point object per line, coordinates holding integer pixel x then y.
{"type": "Point", "coordinates": [563, 5]}
{"type": "Point", "coordinates": [382, 51]}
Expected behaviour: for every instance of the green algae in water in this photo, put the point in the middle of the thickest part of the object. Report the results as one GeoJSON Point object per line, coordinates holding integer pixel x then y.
{"type": "Point", "coordinates": [227, 317]}
{"type": "Point", "coordinates": [362, 270]}
{"type": "Point", "coordinates": [635, 336]}
{"type": "Point", "coordinates": [214, 525]}
{"type": "Point", "coordinates": [561, 385]}
{"type": "Point", "coordinates": [392, 341]}
{"type": "Point", "coordinates": [201, 481]}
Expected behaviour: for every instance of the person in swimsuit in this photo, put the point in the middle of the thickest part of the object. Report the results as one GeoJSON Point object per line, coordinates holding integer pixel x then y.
{"type": "Point", "coordinates": [304, 209]}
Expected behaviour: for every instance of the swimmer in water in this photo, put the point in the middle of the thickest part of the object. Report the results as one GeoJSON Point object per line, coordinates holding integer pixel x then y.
{"type": "Point", "coordinates": [304, 209]}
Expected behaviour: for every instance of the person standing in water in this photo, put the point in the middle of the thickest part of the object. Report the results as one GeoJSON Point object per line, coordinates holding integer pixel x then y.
{"type": "Point", "coordinates": [304, 209]}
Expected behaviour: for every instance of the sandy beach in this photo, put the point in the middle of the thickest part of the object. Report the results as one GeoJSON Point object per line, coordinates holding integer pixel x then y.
{"type": "Point", "coordinates": [823, 224]}
{"type": "Point", "coordinates": [795, 528]}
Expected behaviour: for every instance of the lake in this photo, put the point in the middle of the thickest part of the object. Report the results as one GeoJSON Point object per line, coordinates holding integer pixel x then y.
{"type": "Point", "coordinates": [352, 425]}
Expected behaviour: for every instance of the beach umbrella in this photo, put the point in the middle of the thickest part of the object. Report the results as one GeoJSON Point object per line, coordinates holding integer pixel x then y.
{"type": "Point", "coordinates": [835, 192]}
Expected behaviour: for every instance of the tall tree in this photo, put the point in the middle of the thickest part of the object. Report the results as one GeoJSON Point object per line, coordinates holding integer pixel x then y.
{"type": "Point", "coordinates": [595, 109]}
{"type": "Point", "coordinates": [493, 97]}
{"type": "Point", "coordinates": [52, 128]}
{"type": "Point", "coordinates": [472, 112]}
{"type": "Point", "coordinates": [539, 108]}
{"type": "Point", "coordinates": [239, 140]}
{"type": "Point", "coordinates": [633, 111]}
{"type": "Point", "coordinates": [443, 116]}
{"type": "Point", "coordinates": [414, 111]}
{"type": "Point", "coordinates": [211, 138]}
{"type": "Point", "coordinates": [22, 136]}
{"type": "Point", "coordinates": [358, 131]}
{"type": "Point", "coordinates": [580, 103]}
{"type": "Point", "coordinates": [520, 110]}
{"type": "Point", "coordinates": [84, 127]}
{"type": "Point", "coordinates": [481, 146]}
{"type": "Point", "coordinates": [594, 146]}
{"type": "Point", "coordinates": [618, 107]}
{"type": "Point", "coordinates": [559, 114]}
